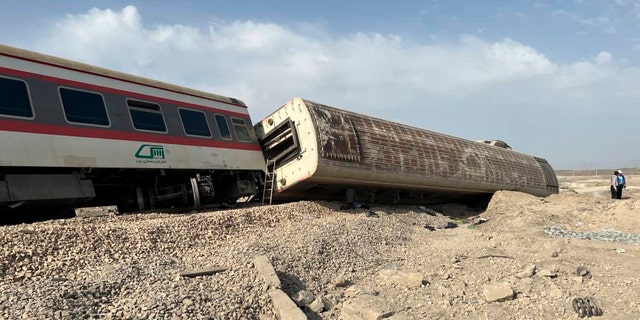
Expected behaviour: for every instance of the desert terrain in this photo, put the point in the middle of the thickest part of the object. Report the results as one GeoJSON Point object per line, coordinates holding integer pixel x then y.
{"type": "Point", "coordinates": [522, 257]}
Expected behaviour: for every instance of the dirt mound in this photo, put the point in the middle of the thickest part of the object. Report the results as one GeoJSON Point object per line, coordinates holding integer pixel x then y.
{"type": "Point", "coordinates": [396, 262]}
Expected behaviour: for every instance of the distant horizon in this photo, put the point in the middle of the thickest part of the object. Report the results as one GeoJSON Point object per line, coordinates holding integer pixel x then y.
{"type": "Point", "coordinates": [586, 172]}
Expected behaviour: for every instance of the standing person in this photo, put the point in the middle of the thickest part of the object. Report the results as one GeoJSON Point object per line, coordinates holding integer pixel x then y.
{"type": "Point", "coordinates": [618, 182]}
{"type": "Point", "coordinates": [614, 185]}
{"type": "Point", "coordinates": [622, 183]}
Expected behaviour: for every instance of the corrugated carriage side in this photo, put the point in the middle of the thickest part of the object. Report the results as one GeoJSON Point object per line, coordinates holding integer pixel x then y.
{"type": "Point", "coordinates": [321, 151]}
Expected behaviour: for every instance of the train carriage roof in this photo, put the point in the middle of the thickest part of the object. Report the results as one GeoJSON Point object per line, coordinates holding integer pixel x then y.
{"type": "Point", "coordinates": [87, 68]}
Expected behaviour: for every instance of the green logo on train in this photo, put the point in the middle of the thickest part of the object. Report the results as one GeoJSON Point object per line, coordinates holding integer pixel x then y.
{"type": "Point", "coordinates": [150, 153]}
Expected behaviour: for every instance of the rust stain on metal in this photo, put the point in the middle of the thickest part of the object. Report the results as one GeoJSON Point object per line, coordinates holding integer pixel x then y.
{"type": "Point", "coordinates": [336, 134]}
{"type": "Point", "coordinates": [385, 146]}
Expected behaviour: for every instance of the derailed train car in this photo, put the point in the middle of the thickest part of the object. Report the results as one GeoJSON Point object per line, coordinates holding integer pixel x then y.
{"type": "Point", "coordinates": [73, 135]}
{"type": "Point", "coordinates": [317, 151]}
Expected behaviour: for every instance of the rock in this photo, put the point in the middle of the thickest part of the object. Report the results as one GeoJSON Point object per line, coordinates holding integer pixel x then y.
{"type": "Point", "coordinates": [330, 301]}
{"type": "Point", "coordinates": [548, 274]}
{"type": "Point", "coordinates": [303, 298]}
{"type": "Point", "coordinates": [367, 307]}
{"type": "Point", "coordinates": [285, 307]}
{"type": "Point", "coordinates": [391, 266]}
{"type": "Point", "coordinates": [556, 293]}
{"type": "Point", "coordinates": [358, 290]}
{"type": "Point", "coordinates": [398, 277]}
{"type": "Point", "coordinates": [498, 292]}
{"type": "Point", "coordinates": [264, 267]}
{"type": "Point", "coordinates": [340, 281]}
{"type": "Point", "coordinates": [317, 305]}
{"type": "Point", "coordinates": [528, 272]}
{"type": "Point", "coordinates": [524, 286]}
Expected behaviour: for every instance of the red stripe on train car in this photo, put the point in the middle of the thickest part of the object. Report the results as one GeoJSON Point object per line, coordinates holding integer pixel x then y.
{"type": "Point", "coordinates": [128, 94]}
{"type": "Point", "coordinates": [98, 133]}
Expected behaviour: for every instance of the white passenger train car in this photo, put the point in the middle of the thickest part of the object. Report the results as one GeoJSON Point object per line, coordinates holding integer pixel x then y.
{"type": "Point", "coordinates": [316, 151]}
{"type": "Point", "coordinates": [73, 133]}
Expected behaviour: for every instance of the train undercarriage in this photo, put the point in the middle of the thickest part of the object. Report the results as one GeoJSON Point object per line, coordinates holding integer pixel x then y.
{"type": "Point", "coordinates": [48, 193]}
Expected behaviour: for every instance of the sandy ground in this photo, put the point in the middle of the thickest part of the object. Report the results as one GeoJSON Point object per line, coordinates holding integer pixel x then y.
{"type": "Point", "coordinates": [351, 260]}
{"type": "Point", "coordinates": [464, 263]}
{"type": "Point", "coordinates": [515, 235]}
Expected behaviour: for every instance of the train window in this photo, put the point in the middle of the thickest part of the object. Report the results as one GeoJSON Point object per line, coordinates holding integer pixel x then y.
{"type": "Point", "coordinates": [83, 107]}
{"type": "Point", "coordinates": [194, 123]}
{"type": "Point", "coordinates": [241, 129]}
{"type": "Point", "coordinates": [146, 116]}
{"type": "Point", "coordinates": [225, 133]}
{"type": "Point", "coordinates": [14, 98]}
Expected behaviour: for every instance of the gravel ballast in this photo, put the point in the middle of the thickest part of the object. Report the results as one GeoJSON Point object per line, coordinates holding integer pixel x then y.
{"type": "Point", "coordinates": [515, 260]}
{"type": "Point", "coordinates": [128, 266]}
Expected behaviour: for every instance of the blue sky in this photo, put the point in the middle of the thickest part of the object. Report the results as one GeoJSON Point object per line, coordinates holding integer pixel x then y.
{"type": "Point", "coordinates": [556, 79]}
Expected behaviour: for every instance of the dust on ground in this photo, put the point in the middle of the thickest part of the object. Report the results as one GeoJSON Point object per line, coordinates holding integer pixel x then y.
{"type": "Point", "coordinates": [515, 238]}
{"type": "Point", "coordinates": [391, 262]}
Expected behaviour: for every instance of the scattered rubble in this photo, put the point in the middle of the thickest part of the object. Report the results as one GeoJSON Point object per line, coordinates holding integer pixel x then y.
{"type": "Point", "coordinates": [498, 292]}
{"type": "Point", "coordinates": [202, 272]}
{"type": "Point", "coordinates": [319, 262]}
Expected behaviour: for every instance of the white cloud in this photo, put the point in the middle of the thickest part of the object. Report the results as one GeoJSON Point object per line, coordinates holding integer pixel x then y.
{"type": "Point", "coordinates": [493, 89]}
{"type": "Point", "coordinates": [248, 59]}
{"type": "Point", "coordinates": [603, 57]}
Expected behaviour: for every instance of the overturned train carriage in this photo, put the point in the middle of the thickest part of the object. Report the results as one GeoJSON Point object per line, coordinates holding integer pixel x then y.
{"type": "Point", "coordinates": [317, 151]}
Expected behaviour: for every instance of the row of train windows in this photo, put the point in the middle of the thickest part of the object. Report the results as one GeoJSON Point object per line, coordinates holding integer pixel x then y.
{"type": "Point", "coordinates": [82, 107]}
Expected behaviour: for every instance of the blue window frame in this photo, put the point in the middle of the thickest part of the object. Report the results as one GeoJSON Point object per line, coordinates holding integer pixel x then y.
{"type": "Point", "coordinates": [14, 98]}
{"type": "Point", "coordinates": [194, 123]}
{"type": "Point", "coordinates": [223, 126]}
{"type": "Point", "coordinates": [83, 107]}
{"type": "Point", "coordinates": [146, 116]}
{"type": "Point", "coordinates": [241, 129]}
